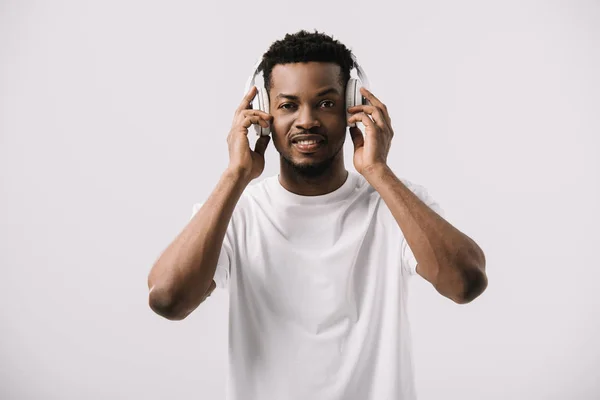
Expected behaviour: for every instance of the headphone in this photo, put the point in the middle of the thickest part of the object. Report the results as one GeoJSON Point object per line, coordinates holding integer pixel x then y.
{"type": "Point", "coordinates": [353, 95]}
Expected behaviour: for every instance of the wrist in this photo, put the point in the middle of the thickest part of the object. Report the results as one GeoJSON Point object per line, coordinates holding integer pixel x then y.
{"type": "Point", "coordinates": [237, 174]}
{"type": "Point", "coordinates": [374, 171]}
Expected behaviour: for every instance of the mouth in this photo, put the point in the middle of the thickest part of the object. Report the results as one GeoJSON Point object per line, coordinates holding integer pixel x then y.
{"type": "Point", "coordinates": [308, 143]}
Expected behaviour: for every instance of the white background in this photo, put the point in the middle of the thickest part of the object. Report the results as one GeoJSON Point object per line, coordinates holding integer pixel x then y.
{"type": "Point", "coordinates": [113, 120]}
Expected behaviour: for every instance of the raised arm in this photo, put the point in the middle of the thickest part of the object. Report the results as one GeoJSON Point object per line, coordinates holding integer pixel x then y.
{"type": "Point", "coordinates": [182, 277]}
{"type": "Point", "coordinates": [450, 260]}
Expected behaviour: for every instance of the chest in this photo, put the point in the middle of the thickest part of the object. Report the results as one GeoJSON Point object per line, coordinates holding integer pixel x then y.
{"type": "Point", "coordinates": [315, 269]}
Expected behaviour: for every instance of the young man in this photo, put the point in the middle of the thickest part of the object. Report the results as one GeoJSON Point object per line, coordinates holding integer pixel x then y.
{"type": "Point", "coordinates": [317, 258]}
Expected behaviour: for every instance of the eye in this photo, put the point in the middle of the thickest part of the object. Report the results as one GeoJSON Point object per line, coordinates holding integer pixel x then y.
{"type": "Point", "coordinates": [328, 102]}
{"type": "Point", "coordinates": [287, 106]}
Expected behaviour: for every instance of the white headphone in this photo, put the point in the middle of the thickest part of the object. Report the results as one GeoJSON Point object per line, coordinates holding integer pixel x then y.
{"type": "Point", "coordinates": [353, 95]}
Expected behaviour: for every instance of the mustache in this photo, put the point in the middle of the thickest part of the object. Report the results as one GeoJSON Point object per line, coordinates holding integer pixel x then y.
{"type": "Point", "coordinates": [310, 132]}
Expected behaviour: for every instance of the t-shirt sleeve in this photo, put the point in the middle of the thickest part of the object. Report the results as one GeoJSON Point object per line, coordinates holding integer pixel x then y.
{"type": "Point", "coordinates": [223, 270]}
{"type": "Point", "coordinates": [409, 262]}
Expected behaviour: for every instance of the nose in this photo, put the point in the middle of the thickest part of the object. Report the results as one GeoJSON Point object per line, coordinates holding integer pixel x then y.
{"type": "Point", "coordinates": [306, 119]}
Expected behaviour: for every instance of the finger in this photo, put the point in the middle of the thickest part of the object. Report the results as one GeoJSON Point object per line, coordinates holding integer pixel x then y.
{"type": "Point", "coordinates": [247, 100]}
{"type": "Point", "coordinates": [364, 118]}
{"type": "Point", "coordinates": [254, 119]}
{"type": "Point", "coordinates": [357, 137]}
{"type": "Point", "coordinates": [260, 113]}
{"type": "Point", "coordinates": [261, 144]}
{"type": "Point", "coordinates": [373, 111]}
{"type": "Point", "coordinates": [371, 97]}
{"type": "Point", "coordinates": [377, 103]}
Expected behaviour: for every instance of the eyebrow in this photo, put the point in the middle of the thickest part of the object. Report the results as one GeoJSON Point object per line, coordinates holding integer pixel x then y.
{"type": "Point", "coordinates": [321, 93]}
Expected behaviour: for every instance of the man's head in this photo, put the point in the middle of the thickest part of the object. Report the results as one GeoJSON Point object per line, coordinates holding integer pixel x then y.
{"type": "Point", "coordinates": [305, 76]}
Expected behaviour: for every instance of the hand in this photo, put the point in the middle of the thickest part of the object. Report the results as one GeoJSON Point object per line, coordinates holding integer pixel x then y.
{"type": "Point", "coordinates": [371, 151]}
{"type": "Point", "coordinates": [250, 163]}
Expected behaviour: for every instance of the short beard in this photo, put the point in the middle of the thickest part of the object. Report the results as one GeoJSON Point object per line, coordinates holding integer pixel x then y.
{"type": "Point", "coordinates": [311, 171]}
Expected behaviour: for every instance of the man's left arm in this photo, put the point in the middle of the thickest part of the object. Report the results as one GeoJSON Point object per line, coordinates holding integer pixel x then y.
{"type": "Point", "coordinates": [451, 261]}
{"type": "Point", "coordinates": [446, 257]}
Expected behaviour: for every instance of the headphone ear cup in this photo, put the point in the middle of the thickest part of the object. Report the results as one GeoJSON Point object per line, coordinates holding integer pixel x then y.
{"type": "Point", "coordinates": [353, 97]}
{"type": "Point", "coordinates": [263, 105]}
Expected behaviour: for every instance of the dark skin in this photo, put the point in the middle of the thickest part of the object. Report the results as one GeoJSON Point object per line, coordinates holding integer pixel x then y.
{"type": "Point", "coordinates": [309, 98]}
{"type": "Point", "coordinates": [451, 261]}
{"type": "Point", "coordinates": [182, 277]}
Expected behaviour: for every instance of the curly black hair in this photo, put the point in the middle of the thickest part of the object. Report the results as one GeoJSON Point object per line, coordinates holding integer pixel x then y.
{"type": "Point", "coordinates": [304, 46]}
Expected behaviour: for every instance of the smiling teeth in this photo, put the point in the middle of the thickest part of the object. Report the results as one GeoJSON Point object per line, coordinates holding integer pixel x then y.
{"type": "Point", "coordinates": [307, 142]}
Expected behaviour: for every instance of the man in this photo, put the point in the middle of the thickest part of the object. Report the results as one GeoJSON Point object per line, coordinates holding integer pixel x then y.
{"type": "Point", "coordinates": [316, 259]}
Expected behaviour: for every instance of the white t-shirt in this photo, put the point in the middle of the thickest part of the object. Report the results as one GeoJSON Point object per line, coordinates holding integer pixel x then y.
{"type": "Point", "coordinates": [317, 294]}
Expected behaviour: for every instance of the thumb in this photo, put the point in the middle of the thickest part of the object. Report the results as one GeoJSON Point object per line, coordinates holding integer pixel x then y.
{"type": "Point", "coordinates": [357, 138]}
{"type": "Point", "coordinates": [261, 144]}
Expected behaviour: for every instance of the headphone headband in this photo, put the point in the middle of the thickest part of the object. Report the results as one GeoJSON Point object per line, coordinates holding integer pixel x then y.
{"type": "Point", "coordinates": [251, 79]}
{"type": "Point", "coordinates": [361, 74]}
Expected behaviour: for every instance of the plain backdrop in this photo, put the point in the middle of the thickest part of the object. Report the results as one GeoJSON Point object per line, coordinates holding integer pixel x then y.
{"type": "Point", "coordinates": [113, 123]}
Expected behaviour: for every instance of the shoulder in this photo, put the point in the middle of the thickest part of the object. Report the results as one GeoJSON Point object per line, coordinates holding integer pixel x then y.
{"type": "Point", "coordinates": [256, 199]}
{"type": "Point", "coordinates": [258, 191]}
{"type": "Point", "coordinates": [255, 192]}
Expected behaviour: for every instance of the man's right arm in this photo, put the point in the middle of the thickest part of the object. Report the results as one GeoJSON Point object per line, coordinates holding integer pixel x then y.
{"type": "Point", "coordinates": [182, 277]}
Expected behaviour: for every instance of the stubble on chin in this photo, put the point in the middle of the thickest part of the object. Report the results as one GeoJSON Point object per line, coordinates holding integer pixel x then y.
{"type": "Point", "coordinates": [311, 170]}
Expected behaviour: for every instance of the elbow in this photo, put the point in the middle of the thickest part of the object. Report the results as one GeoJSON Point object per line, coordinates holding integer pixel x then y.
{"type": "Point", "coordinates": [165, 305]}
{"type": "Point", "coordinates": [473, 276]}
{"type": "Point", "coordinates": [461, 284]}
{"type": "Point", "coordinates": [475, 282]}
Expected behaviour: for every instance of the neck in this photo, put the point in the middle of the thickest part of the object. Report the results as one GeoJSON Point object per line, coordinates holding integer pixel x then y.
{"type": "Point", "coordinates": [331, 179]}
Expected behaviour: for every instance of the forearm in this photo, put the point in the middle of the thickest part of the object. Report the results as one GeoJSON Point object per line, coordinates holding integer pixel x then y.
{"type": "Point", "coordinates": [447, 258]}
{"type": "Point", "coordinates": [182, 275]}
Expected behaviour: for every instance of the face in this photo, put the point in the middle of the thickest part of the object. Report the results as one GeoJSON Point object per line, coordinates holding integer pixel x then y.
{"type": "Point", "coordinates": [307, 102]}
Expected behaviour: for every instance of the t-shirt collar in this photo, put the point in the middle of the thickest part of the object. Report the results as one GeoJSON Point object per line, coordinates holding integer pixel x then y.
{"type": "Point", "coordinates": [339, 194]}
